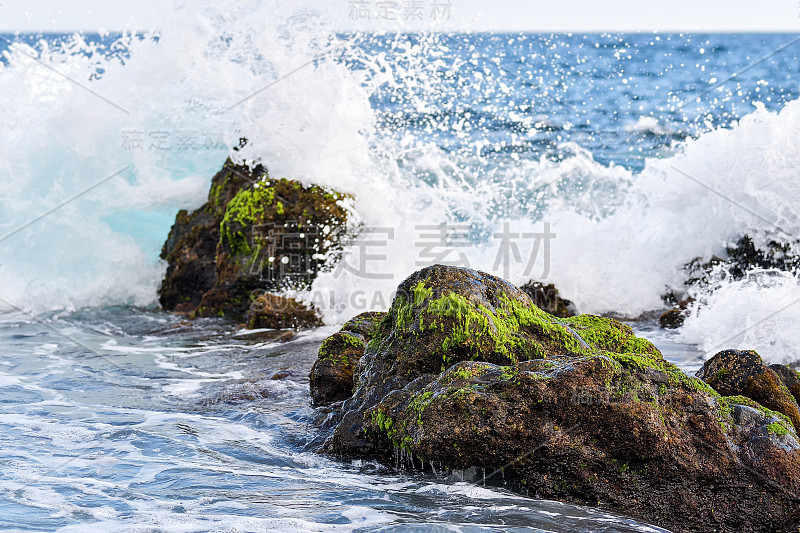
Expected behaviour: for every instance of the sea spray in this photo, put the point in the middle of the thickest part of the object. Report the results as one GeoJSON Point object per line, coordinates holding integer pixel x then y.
{"type": "Point", "coordinates": [431, 133]}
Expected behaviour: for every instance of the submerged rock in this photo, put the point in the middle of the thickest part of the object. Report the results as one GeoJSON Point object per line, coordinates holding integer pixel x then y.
{"type": "Point", "coordinates": [675, 317]}
{"type": "Point", "coordinates": [254, 234]}
{"type": "Point", "coordinates": [741, 258]}
{"type": "Point", "coordinates": [672, 319]}
{"type": "Point", "coordinates": [464, 371]}
{"type": "Point", "coordinates": [744, 256]}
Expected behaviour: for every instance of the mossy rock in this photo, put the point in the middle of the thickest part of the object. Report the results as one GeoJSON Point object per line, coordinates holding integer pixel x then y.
{"type": "Point", "coordinates": [280, 207]}
{"type": "Point", "coordinates": [191, 247]}
{"type": "Point", "coordinates": [442, 315]}
{"type": "Point", "coordinates": [331, 377]}
{"type": "Point", "coordinates": [464, 371]}
{"type": "Point", "coordinates": [254, 234]}
{"type": "Point", "coordinates": [743, 373]}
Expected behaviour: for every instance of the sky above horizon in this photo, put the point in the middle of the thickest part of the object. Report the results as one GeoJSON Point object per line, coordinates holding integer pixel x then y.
{"type": "Point", "coordinates": [440, 15]}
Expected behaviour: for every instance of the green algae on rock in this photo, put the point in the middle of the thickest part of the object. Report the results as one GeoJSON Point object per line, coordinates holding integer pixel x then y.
{"type": "Point", "coordinates": [191, 248]}
{"type": "Point", "coordinates": [331, 376]}
{"type": "Point", "coordinates": [464, 371]}
{"type": "Point", "coordinates": [254, 234]}
{"type": "Point", "coordinates": [743, 373]}
{"type": "Point", "coordinates": [273, 206]}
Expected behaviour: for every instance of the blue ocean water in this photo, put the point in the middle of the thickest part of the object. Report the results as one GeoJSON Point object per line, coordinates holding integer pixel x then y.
{"type": "Point", "coordinates": [116, 416]}
{"type": "Point", "coordinates": [623, 97]}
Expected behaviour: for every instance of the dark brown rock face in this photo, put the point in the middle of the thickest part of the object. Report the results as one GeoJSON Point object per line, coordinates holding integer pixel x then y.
{"type": "Point", "coordinates": [191, 248]}
{"type": "Point", "coordinates": [253, 235]}
{"type": "Point", "coordinates": [464, 371]}
{"type": "Point", "coordinates": [546, 298]}
{"type": "Point", "coordinates": [332, 374]}
{"type": "Point", "coordinates": [743, 373]}
{"type": "Point", "coordinates": [672, 319]}
{"type": "Point", "coordinates": [790, 378]}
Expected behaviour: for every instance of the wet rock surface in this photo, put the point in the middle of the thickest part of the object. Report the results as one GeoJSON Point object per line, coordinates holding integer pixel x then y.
{"type": "Point", "coordinates": [191, 247]}
{"type": "Point", "coordinates": [546, 298]}
{"type": "Point", "coordinates": [790, 378]}
{"type": "Point", "coordinates": [276, 312]}
{"type": "Point", "coordinates": [743, 373]}
{"type": "Point", "coordinates": [675, 317]}
{"type": "Point", "coordinates": [465, 372]}
{"type": "Point", "coordinates": [253, 235]}
{"type": "Point", "coordinates": [332, 374]}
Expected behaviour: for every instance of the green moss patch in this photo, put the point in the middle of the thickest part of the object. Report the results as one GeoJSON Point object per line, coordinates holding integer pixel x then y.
{"type": "Point", "coordinates": [780, 418]}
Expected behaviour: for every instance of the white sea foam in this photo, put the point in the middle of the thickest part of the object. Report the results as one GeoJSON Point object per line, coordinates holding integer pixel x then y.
{"type": "Point", "coordinates": [648, 125]}
{"type": "Point", "coordinates": [622, 237]}
{"type": "Point", "coordinates": [61, 140]}
{"type": "Point", "coordinates": [758, 313]}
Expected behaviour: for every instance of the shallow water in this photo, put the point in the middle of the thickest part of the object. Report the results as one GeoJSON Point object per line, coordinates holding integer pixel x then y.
{"type": "Point", "coordinates": [131, 420]}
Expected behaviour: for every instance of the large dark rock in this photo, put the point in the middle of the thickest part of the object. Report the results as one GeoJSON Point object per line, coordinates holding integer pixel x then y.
{"type": "Point", "coordinates": [253, 235]}
{"type": "Point", "coordinates": [464, 371]}
{"type": "Point", "coordinates": [191, 247]}
{"type": "Point", "coordinates": [743, 373]}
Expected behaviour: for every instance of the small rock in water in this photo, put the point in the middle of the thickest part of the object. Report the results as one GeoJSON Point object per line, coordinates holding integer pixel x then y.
{"type": "Point", "coordinates": [332, 374]}
{"type": "Point", "coordinates": [675, 317]}
{"type": "Point", "coordinates": [546, 298]}
{"type": "Point", "coordinates": [287, 336]}
{"type": "Point", "coordinates": [743, 373]}
{"type": "Point", "coordinates": [277, 312]}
